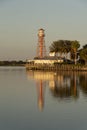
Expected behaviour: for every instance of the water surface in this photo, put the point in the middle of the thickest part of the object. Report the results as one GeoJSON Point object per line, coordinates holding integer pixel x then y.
{"type": "Point", "coordinates": [35, 100]}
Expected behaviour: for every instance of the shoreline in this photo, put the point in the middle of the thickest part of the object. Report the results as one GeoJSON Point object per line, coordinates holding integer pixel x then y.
{"type": "Point", "coordinates": [60, 67]}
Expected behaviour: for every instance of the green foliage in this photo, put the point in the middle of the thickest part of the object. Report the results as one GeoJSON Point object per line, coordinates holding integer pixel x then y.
{"type": "Point", "coordinates": [74, 48]}
{"type": "Point", "coordinates": [60, 46]}
{"type": "Point", "coordinates": [85, 46]}
{"type": "Point", "coordinates": [65, 46]}
{"type": "Point", "coordinates": [83, 54]}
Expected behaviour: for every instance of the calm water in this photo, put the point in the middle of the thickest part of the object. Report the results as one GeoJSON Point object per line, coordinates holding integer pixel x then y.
{"type": "Point", "coordinates": [33, 100]}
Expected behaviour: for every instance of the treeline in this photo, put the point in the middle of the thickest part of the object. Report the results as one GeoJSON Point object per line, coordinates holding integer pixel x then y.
{"type": "Point", "coordinates": [12, 63]}
{"type": "Point", "coordinates": [65, 47]}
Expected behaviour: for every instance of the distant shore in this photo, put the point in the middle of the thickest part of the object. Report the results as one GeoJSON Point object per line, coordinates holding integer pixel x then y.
{"type": "Point", "coordinates": [12, 63]}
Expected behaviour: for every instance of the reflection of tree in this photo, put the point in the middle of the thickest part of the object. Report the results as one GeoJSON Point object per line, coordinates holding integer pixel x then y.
{"type": "Point", "coordinates": [61, 92]}
{"type": "Point", "coordinates": [66, 88]}
{"type": "Point", "coordinates": [83, 83]}
{"type": "Point", "coordinates": [74, 91]}
{"type": "Point", "coordinates": [62, 84]}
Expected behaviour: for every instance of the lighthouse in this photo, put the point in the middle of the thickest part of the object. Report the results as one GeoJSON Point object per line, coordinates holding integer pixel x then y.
{"type": "Point", "coordinates": [41, 49]}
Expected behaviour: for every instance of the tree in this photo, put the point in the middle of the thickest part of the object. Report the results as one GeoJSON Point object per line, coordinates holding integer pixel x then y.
{"type": "Point", "coordinates": [74, 48]}
{"type": "Point", "coordinates": [85, 46]}
{"type": "Point", "coordinates": [67, 47]}
{"type": "Point", "coordinates": [56, 47]}
{"type": "Point", "coordinates": [60, 46]}
{"type": "Point", "coordinates": [83, 54]}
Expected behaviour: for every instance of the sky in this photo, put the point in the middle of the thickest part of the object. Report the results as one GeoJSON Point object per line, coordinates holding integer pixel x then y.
{"type": "Point", "coordinates": [20, 21]}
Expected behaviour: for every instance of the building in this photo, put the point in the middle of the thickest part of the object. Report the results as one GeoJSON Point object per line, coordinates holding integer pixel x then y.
{"type": "Point", "coordinates": [49, 60]}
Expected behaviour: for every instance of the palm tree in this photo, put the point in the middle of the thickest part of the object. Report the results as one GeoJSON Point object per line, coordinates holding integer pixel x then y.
{"type": "Point", "coordinates": [83, 54]}
{"type": "Point", "coordinates": [56, 47]}
{"type": "Point", "coordinates": [74, 48]}
{"type": "Point", "coordinates": [60, 46]}
{"type": "Point", "coordinates": [85, 46]}
{"type": "Point", "coordinates": [67, 47]}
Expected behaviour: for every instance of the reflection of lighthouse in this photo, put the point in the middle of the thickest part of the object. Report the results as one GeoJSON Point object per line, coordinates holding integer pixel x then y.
{"type": "Point", "coordinates": [40, 89]}
{"type": "Point", "coordinates": [41, 79]}
{"type": "Point", "coordinates": [41, 50]}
